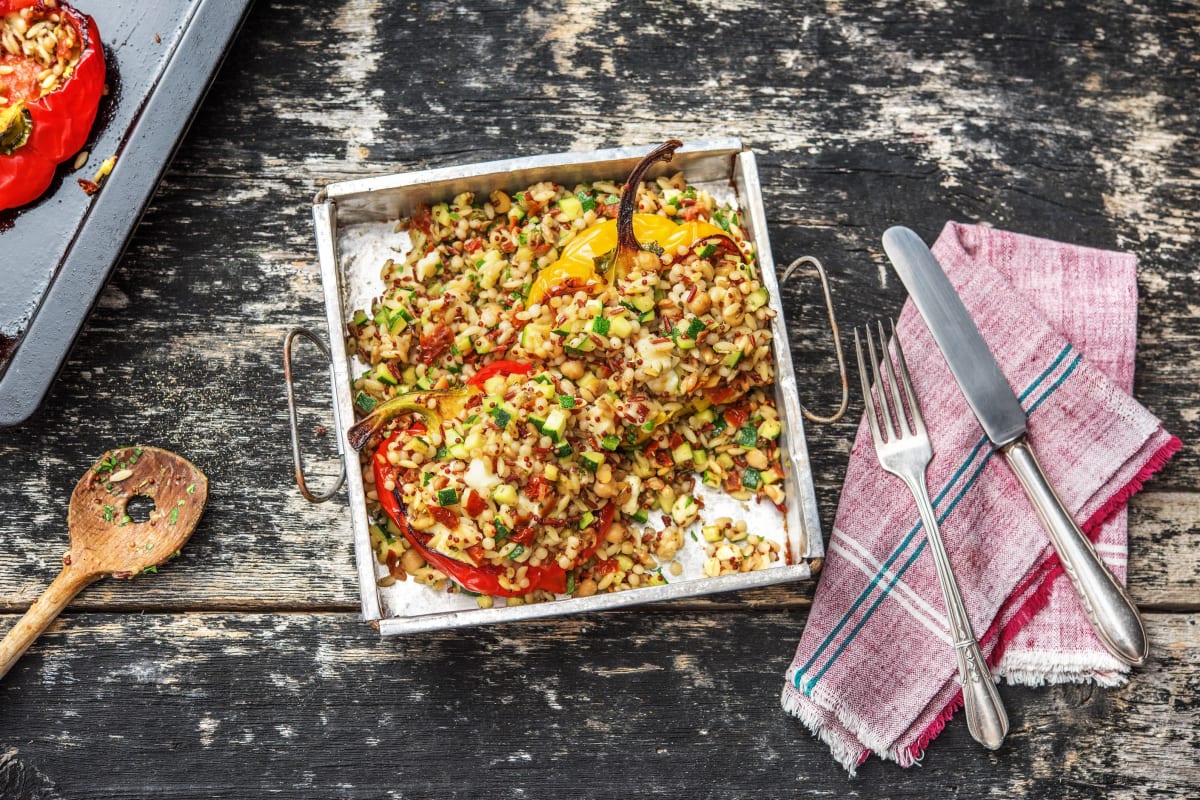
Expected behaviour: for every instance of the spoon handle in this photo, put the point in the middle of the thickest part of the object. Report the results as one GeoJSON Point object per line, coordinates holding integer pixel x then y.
{"type": "Point", "coordinates": [43, 611]}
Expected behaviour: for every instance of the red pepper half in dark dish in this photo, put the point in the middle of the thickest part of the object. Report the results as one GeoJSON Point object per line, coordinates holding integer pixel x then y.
{"type": "Point", "coordinates": [51, 80]}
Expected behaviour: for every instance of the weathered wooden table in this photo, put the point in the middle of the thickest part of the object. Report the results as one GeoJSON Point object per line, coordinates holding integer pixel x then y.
{"type": "Point", "coordinates": [242, 669]}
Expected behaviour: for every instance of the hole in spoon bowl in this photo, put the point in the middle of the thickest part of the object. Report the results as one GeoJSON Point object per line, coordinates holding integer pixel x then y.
{"type": "Point", "coordinates": [139, 507]}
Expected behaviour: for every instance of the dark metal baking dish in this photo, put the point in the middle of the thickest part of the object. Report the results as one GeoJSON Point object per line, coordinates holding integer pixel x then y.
{"type": "Point", "coordinates": [57, 253]}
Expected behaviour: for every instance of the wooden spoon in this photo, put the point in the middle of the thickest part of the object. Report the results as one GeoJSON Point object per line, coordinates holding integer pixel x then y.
{"type": "Point", "coordinates": [105, 541]}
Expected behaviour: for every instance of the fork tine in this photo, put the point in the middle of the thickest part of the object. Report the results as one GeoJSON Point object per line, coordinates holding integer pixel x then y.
{"type": "Point", "coordinates": [892, 384]}
{"type": "Point", "coordinates": [913, 406]}
{"type": "Point", "coordinates": [883, 398]}
{"type": "Point", "coordinates": [869, 403]}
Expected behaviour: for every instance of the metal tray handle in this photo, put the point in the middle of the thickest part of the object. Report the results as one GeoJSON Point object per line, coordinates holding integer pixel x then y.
{"type": "Point", "coordinates": [837, 342]}
{"type": "Point", "coordinates": [297, 459]}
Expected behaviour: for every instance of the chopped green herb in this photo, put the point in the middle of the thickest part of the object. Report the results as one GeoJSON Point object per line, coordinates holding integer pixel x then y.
{"type": "Point", "coordinates": [501, 416]}
{"type": "Point", "coordinates": [108, 513]}
{"type": "Point", "coordinates": [150, 570]}
{"type": "Point", "coordinates": [191, 489]}
{"type": "Point", "coordinates": [610, 442]}
{"type": "Point", "coordinates": [571, 575]}
{"type": "Point", "coordinates": [174, 515]}
{"type": "Point", "coordinates": [447, 497]}
{"type": "Point", "coordinates": [516, 551]}
{"type": "Point", "coordinates": [502, 530]}
{"type": "Point", "coordinates": [566, 401]}
{"type": "Point", "coordinates": [442, 453]}
{"type": "Point", "coordinates": [707, 251]}
{"type": "Point", "coordinates": [563, 450]}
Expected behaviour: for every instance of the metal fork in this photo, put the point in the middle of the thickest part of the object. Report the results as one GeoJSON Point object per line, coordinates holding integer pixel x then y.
{"type": "Point", "coordinates": [906, 452]}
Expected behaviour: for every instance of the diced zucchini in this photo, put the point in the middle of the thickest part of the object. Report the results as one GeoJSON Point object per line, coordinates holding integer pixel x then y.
{"type": "Point", "coordinates": [757, 299]}
{"type": "Point", "coordinates": [599, 325]}
{"type": "Point", "coordinates": [770, 476]}
{"type": "Point", "coordinates": [699, 457]}
{"type": "Point", "coordinates": [586, 520]}
{"type": "Point", "coordinates": [563, 450]}
{"type": "Point", "coordinates": [423, 382]}
{"type": "Point", "coordinates": [578, 344]}
{"type": "Point", "coordinates": [644, 301]}
{"type": "Point", "coordinates": [463, 344]}
{"type": "Point", "coordinates": [360, 318]}
{"type": "Point", "coordinates": [384, 375]}
{"type": "Point", "coordinates": [751, 478]}
{"type": "Point", "coordinates": [534, 336]}
{"type": "Point", "coordinates": [591, 460]}
{"type": "Point", "coordinates": [447, 497]}
{"type": "Point", "coordinates": [641, 515]}
{"type": "Point", "coordinates": [538, 423]}
{"type": "Point", "coordinates": [707, 251]}
{"type": "Point", "coordinates": [610, 442]}
{"type": "Point", "coordinates": [731, 360]}
{"type": "Point", "coordinates": [747, 436]}
{"type": "Point", "coordinates": [364, 402]}
{"type": "Point", "coordinates": [683, 453]}
{"type": "Point", "coordinates": [711, 479]}
{"type": "Point", "coordinates": [646, 316]}
{"type": "Point", "coordinates": [502, 530]}
{"type": "Point", "coordinates": [712, 533]}
{"type": "Point", "coordinates": [505, 495]}
{"type": "Point", "coordinates": [704, 416]}
{"type": "Point", "coordinates": [555, 424]}
{"type": "Point", "coordinates": [398, 325]}
{"type": "Point", "coordinates": [681, 341]}
{"type": "Point", "coordinates": [770, 429]}
{"type": "Point", "coordinates": [383, 318]}
{"type": "Point", "coordinates": [571, 207]}
{"type": "Point", "coordinates": [620, 327]}
{"type": "Point", "coordinates": [501, 415]}
{"type": "Point", "coordinates": [684, 510]}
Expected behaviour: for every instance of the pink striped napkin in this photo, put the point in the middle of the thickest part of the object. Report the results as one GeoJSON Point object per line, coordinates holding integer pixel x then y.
{"type": "Point", "coordinates": [875, 670]}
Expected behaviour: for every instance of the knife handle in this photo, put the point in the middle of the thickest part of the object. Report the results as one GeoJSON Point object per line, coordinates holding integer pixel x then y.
{"type": "Point", "coordinates": [1112, 613]}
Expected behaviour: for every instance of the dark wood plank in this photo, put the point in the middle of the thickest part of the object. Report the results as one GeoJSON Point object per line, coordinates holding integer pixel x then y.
{"type": "Point", "coordinates": [612, 705]}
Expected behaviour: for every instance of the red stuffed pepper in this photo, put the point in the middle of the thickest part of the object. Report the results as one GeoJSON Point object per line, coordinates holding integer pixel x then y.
{"type": "Point", "coordinates": [483, 577]}
{"type": "Point", "coordinates": [51, 80]}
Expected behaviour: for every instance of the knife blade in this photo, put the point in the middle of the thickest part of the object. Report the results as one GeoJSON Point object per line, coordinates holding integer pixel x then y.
{"type": "Point", "coordinates": [1108, 606]}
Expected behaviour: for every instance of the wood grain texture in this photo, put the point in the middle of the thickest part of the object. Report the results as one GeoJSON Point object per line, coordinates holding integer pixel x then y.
{"type": "Point", "coordinates": [618, 705]}
{"type": "Point", "coordinates": [249, 673]}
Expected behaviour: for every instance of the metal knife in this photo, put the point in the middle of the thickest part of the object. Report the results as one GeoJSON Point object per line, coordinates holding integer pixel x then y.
{"type": "Point", "coordinates": [1109, 608]}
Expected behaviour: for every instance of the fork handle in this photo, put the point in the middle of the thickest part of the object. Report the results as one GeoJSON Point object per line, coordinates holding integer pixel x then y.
{"type": "Point", "coordinates": [1109, 608]}
{"type": "Point", "coordinates": [986, 718]}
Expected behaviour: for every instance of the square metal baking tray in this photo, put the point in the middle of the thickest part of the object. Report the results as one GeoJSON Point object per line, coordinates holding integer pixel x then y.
{"type": "Point", "coordinates": [374, 200]}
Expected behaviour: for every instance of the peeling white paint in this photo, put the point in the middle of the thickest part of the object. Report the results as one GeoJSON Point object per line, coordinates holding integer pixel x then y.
{"type": "Point", "coordinates": [208, 728]}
